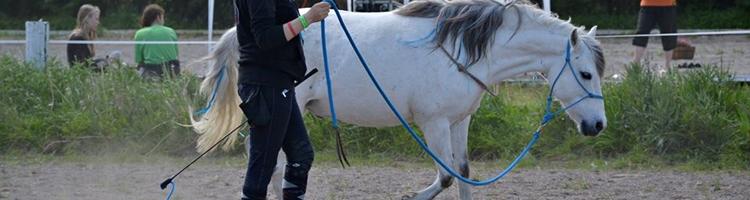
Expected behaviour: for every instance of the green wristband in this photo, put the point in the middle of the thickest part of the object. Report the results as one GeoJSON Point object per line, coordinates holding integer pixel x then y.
{"type": "Point", "coordinates": [304, 22]}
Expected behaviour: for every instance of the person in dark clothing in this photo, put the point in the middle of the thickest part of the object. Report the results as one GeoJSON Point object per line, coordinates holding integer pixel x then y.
{"type": "Point", "coordinates": [271, 61]}
{"type": "Point", "coordinates": [86, 23]}
{"type": "Point", "coordinates": [664, 14]}
{"type": "Point", "coordinates": [79, 53]}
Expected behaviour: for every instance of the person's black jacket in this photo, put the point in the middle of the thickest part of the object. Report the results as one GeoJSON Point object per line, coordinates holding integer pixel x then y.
{"type": "Point", "coordinates": [266, 58]}
{"type": "Point", "coordinates": [79, 53]}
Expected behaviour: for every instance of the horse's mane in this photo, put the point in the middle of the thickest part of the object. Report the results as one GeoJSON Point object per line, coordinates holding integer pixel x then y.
{"type": "Point", "coordinates": [594, 46]}
{"type": "Point", "coordinates": [475, 23]}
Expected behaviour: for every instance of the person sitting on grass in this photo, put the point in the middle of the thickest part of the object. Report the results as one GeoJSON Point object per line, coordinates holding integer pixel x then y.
{"type": "Point", "coordinates": [83, 54]}
{"type": "Point", "coordinates": [153, 59]}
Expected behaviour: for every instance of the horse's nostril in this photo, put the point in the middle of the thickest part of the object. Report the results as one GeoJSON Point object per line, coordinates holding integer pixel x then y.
{"type": "Point", "coordinates": [599, 126]}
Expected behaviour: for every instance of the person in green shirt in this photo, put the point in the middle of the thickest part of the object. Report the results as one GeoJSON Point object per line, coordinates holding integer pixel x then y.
{"type": "Point", "coordinates": [153, 59]}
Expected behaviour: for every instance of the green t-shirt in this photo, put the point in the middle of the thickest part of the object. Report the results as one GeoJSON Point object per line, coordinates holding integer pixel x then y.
{"type": "Point", "coordinates": [155, 53]}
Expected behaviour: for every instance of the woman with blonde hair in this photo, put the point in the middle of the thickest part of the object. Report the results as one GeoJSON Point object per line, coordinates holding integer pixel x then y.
{"type": "Point", "coordinates": [86, 23]}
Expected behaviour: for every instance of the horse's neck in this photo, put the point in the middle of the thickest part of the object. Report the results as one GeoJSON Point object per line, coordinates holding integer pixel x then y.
{"type": "Point", "coordinates": [514, 66]}
{"type": "Point", "coordinates": [531, 49]}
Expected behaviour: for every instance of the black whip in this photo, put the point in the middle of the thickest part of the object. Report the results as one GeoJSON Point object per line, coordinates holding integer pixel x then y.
{"type": "Point", "coordinates": [164, 184]}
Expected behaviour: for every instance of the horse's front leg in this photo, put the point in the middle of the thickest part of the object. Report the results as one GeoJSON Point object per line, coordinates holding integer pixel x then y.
{"type": "Point", "coordinates": [437, 133]}
{"type": "Point", "coordinates": [459, 142]}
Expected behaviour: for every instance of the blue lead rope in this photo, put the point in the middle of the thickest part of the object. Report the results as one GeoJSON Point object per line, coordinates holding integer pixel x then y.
{"type": "Point", "coordinates": [547, 118]}
{"type": "Point", "coordinates": [169, 195]}
{"type": "Point", "coordinates": [334, 122]}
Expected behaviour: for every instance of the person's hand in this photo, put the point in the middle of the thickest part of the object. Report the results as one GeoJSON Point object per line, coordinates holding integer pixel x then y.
{"type": "Point", "coordinates": [317, 12]}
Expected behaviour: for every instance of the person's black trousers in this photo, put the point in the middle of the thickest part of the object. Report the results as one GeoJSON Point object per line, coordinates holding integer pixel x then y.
{"type": "Point", "coordinates": [663, 17]}
{"type": "Point", "coordinates": [156, 71]}
{"type": "Point", "coordinates": [286, 130]}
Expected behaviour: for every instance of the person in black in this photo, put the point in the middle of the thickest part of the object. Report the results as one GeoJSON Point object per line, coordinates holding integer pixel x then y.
{"type": "Point", "coordinates": [661, 13]}
{"type": "Point", "coordinates": [271, 61]}
{"type": "Point", "coordinates": [87, 22]}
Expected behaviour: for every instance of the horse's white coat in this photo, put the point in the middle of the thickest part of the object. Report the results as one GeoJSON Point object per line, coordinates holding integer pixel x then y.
{"type": "Point", "coordinates": [427, 88]}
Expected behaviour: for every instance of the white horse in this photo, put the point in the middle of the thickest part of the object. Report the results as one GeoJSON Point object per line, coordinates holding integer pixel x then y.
{"type": "Point", "coordinates": [500, 41]}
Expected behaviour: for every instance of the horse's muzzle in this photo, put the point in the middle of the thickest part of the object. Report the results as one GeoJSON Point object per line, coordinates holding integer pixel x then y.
{"type": "Point", "coordinates": [591, 129]}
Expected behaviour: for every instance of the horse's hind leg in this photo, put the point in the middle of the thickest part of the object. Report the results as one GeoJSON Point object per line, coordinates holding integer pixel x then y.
{"type": "Point", "coordinates": [437, 133]}
{"type": "Point", "coordinates": [459, 141]}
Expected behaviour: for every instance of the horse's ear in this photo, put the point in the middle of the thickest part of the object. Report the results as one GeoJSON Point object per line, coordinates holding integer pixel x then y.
{"type": "Point", "coordinates": [592, 32]}
{"type": "Point", "coordinates": [574, 37]}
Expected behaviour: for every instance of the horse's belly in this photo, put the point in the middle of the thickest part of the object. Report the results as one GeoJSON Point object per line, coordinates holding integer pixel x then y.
{"type": "Point", "coordinates": [362, 111]}
{"type": "Point", "coordinates": [372, 118]}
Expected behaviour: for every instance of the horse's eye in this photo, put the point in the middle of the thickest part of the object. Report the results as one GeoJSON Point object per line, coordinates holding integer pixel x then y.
{"type": "Point", "coordinates": [586, 75]}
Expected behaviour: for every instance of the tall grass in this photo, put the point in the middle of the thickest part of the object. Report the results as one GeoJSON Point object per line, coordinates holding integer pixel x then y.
{"type": "Point", "coordinates": [701, 115]}
{"type": "Point", "coordinates": [686, 117]}
{"type": "Point", "coordinates": [86, 111]}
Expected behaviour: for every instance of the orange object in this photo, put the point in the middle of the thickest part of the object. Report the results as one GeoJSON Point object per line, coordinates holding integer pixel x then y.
{"type": "Point", "coordinates": [658, 2]}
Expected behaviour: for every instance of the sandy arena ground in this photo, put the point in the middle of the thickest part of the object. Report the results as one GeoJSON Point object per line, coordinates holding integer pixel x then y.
{"type": "Point", "coordinates": [216, 180]}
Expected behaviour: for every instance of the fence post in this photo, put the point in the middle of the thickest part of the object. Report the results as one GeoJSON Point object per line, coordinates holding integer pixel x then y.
{"type": "Point", "coordinates": [210, 24]}
{"type": "Point", "coordinates": [37, 35]}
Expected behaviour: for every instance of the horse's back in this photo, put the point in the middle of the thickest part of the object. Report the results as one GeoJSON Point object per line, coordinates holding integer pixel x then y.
{"type": "Point", "coordinates": [415, 77]}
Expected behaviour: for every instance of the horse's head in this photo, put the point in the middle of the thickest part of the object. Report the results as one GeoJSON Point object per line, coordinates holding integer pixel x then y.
{"type": "Point", "coordinates": [578, 86]}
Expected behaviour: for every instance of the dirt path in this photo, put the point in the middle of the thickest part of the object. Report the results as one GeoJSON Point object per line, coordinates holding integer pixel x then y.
{"type": "Point", "coordinates": [724, 51]}
{"type": "Point", "coordinates": [222, 180]}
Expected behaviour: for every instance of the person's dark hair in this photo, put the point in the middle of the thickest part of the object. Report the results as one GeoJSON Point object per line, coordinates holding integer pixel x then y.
{"type": "Point", "coordinates": [150, 14]}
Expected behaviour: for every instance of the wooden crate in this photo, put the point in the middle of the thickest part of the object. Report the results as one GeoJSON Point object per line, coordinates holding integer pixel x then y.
{"type": "Point", "coordinates": [683, 53]}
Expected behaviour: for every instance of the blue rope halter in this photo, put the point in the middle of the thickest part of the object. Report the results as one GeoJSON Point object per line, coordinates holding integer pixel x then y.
{"type": "Point", "coordinates": [549, 115]}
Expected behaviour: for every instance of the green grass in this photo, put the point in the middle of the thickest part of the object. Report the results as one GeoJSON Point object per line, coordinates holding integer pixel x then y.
{"type": "Point", "coordinates": [698, 116]}
{"type": "Point", "coordinates": [91, 111]}
{"type": "Point", "coordinates": [691, 120]}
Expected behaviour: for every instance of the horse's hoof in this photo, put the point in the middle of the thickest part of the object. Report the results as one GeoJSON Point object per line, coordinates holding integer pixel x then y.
{"type": "Point", "coordinates": [410, 196]}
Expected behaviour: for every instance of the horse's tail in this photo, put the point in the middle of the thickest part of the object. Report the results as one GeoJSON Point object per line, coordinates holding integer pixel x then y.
{"type": "Point", "coordinates": [222, 113]}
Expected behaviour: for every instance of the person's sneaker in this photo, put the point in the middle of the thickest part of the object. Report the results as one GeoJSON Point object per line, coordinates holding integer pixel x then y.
{"type": "Point", "coordinates": [689, 65]}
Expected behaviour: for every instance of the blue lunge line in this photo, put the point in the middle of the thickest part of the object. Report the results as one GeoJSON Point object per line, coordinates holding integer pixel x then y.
{"type": "Point", "coordinates": [169, 195]}
{"type": "Point", "coordinates": [328, 75]}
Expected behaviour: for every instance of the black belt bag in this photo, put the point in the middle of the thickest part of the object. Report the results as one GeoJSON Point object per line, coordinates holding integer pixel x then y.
{"type": "Point", "coordinates": [254, 105]}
